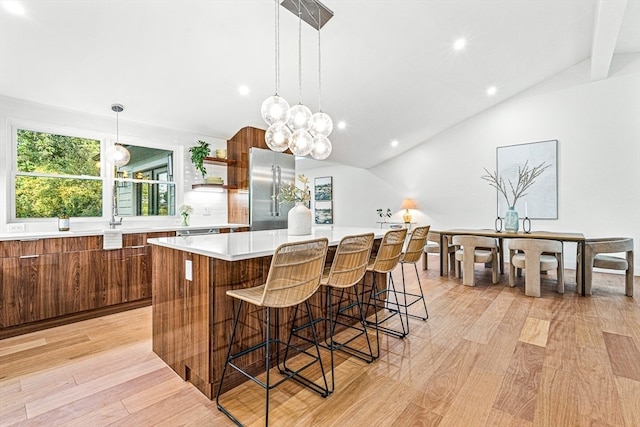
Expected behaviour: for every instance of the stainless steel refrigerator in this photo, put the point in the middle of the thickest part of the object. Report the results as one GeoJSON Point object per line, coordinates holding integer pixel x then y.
{"type": "Point", "coordinates": [268, 170]}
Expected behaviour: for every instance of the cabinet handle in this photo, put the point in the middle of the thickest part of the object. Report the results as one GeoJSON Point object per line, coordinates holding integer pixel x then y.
{"type": "Point", "coordinates": [29, 256]}
{"type": "Point", "coordinates": [31, 239]}
{"type": "Point", "coordinates": [136, 247]}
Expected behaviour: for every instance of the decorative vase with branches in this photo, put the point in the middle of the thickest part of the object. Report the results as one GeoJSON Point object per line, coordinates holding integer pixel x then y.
{"type": "Point", "coordinates": [299, 217]}
{"type": "Point", "coordinates": [526, 178]}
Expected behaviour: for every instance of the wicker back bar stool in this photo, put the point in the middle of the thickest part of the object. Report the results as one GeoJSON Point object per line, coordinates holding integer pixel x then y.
{"type": "Point", "coordinates": [294, 276]}
{"type": "Point", "coordinates": [385, 260]}
{"type": "Point", "coordinates": [411, 255]}
{"type": "Point", "coordinates": [348, 267]}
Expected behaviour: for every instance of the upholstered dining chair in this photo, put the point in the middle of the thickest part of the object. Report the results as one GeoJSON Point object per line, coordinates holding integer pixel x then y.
{"type": "Point", "coordinates": [534, 256]}
{"type": "Point", "coordinates": [598, 254]}
{"type": "Point", "coordinates": [433, 247]}
{"type": "Point", "coordinates": [475, 249]}
{"type": "Point", "coordinates": [294, 275]}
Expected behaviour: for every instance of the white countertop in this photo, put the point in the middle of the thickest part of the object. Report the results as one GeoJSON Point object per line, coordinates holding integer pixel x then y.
{"type": "Point", "coordinates": [254, 244]}
{"type": "Point", "coordinates": [98, 232]}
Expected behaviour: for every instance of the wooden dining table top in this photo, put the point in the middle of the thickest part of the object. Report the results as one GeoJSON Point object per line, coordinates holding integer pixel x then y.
{"type": "Point", "coordinates": [551, 235]}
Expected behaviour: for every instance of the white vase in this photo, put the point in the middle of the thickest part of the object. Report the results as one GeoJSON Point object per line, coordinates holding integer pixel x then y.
{"type": "Point", "coordinates": [299, 220]}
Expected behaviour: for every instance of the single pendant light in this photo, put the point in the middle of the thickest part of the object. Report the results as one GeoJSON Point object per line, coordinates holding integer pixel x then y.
{"type": "Point", "coordinates": [321, 124]}
{"type": "Point", "coordinates": [301, 140]}
{"type": "Point", "coordinates": [275, 109]}
{"type": "Point", "coordinates": [118, 154]}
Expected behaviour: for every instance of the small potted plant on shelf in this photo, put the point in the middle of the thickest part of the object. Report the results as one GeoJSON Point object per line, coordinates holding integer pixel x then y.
{"type": "Point", "coordinates": [198, 154]}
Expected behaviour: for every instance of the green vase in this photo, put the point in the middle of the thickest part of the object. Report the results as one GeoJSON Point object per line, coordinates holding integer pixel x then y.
{"type": "Point", "coordinates": [511, 220]}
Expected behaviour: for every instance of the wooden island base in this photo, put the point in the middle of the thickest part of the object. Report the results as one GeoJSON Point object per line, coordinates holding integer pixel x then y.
{"type": "Point", "coordinates": [192, 319]}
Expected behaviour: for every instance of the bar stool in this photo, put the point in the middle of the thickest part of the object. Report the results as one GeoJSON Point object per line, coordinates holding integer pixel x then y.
{"type": "Point", "coordinates": [294, 275]}
{"type": "Point", "coordinates": [384, 262]}
{"type": "Point", "coordinates": [347, 269]}
{"type": "Point", "coordinates": [411, 255]}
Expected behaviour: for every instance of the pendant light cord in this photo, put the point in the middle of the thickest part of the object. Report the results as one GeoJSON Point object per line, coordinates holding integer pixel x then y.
{"type": "Point", "coordinates": [117, 127]}
{"type": "Point", "coordinates": [277, 49]}
{"type": "Point", "coordinates": [319, 63]}
{"type": "Point", "coordinates": [300, 51]}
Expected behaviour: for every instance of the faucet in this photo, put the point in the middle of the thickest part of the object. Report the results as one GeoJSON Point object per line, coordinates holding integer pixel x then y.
{"type": "Point", "coordinates": [114, 212]}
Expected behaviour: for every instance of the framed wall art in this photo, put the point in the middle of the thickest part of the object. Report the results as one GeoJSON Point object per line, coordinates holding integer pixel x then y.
{"type": "Point", "coordinates": [324, 212]}
{"type": "Point", "coordinates": [323, 196]}
{"type": "Point", "coordinates": [323, 188]}
{"type": "Point", "coordinates": [541, 199]}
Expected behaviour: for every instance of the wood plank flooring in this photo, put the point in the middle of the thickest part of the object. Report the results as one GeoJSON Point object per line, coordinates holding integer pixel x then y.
{"type": "Point", "coordinates": [487, 356]}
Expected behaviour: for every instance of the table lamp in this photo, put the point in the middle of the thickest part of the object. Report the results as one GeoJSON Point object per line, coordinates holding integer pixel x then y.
{"type": "Point", "coordinates": [407, 204]}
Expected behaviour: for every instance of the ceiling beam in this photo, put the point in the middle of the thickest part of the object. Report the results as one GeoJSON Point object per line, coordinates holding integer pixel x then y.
{"type": "Point", "coordinates": [608, 20]}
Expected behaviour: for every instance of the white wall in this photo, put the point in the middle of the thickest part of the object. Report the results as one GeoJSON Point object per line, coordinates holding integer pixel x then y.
{"type": "Point", "coordinates": [596, 124]}
{"type": "Point", "coordinates": [210, 208]}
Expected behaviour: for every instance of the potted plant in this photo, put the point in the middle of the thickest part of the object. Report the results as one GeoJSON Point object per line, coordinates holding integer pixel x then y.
{"type": "Point", "coordinates": [198, 154]}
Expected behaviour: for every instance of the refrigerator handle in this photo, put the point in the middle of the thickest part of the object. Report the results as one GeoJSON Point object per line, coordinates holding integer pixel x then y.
{"type": "Point", "coordinates": [278, 183]}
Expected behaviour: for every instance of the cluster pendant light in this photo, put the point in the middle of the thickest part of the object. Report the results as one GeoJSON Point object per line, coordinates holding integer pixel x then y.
{"type": "Point", "coordinates": [296, 128]}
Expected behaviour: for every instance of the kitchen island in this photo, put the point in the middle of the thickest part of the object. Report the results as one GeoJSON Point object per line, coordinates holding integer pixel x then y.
{"type": "Point", "coordinates": [192, 315]}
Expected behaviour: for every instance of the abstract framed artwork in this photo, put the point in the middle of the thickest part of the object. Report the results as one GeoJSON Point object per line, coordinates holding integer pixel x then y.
{"type": "Point", "coordinates": [324, 212]}
{"type": "Point", "coordinates": [541, 199]}
{"type": "Point", "coordinates": [323, 188]}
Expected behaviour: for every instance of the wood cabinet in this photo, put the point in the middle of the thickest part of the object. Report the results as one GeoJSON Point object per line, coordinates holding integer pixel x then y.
{"type": "Point", "coordinates": [44, 279]}
{"type": "Point", "coordinates": [238, 171]}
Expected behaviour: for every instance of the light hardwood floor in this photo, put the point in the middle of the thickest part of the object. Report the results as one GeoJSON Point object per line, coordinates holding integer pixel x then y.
{"type": "Point", "coordinates": [488, 355]}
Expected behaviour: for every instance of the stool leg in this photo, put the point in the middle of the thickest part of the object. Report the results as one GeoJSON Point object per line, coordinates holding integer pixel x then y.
{"type": "Point", "coordinates": [424, 303]}
{"type": "Point", "coordinates": [268, 366]}
{"type": "Point", "coordinates": [388, 290]}
{"type": "Point", "coordinates": [296, 374]}
{"type": "Point", "coordinates": [224, 370]}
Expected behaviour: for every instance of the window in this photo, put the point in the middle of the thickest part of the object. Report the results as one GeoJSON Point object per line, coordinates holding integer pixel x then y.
{"type": "Point", "coordinates": [144, 186]}
{"type": "Point", "coordinates": [56, 174]}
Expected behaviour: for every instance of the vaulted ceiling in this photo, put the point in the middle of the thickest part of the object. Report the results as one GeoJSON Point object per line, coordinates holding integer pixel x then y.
{"type": "Point", "coordinates": [389, 69]}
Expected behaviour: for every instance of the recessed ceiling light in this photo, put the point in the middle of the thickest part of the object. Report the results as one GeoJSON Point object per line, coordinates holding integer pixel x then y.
{"type": "Point", "coordinates": [14, 7]}
{"type": "Point", "coordinates": [394, 143]}
{"type": "Point", "coordinates": [491, 90]}
{"type": "Point", "coordinates": [342, 125]}
{"type": "Point", "coordinates": [459, 44]}
{"type": "Point", "coordinates": [243, 90]}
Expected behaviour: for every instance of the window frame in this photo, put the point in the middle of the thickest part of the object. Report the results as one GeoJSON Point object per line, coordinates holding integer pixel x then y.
{"type": "Point", "coordinates": [107, 175]}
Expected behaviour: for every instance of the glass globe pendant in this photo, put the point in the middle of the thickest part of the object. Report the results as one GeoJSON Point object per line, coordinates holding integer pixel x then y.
{"type": "Point", "coordinates": [299, 118]}
{"type": "Point", "coordinates": [300, 142]}
{"type": "Point", "coordinates": [320, 124]}
{"type": "Point", "coordinates": [277, 137]}
{"type": "Point", "coordinates": [118, 155]}
{"type": "Point", "coordinates": [275, 109]}
{"type": "Point", "coordinates": [321, 147]}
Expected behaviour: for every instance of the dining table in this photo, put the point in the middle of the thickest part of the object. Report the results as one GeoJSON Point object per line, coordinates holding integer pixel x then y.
{"type": "Point", "coordinates": [447, 235]}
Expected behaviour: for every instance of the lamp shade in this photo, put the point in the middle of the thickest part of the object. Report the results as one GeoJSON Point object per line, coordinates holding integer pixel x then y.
{"type": "Point", "coordinates": [408, 204]}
